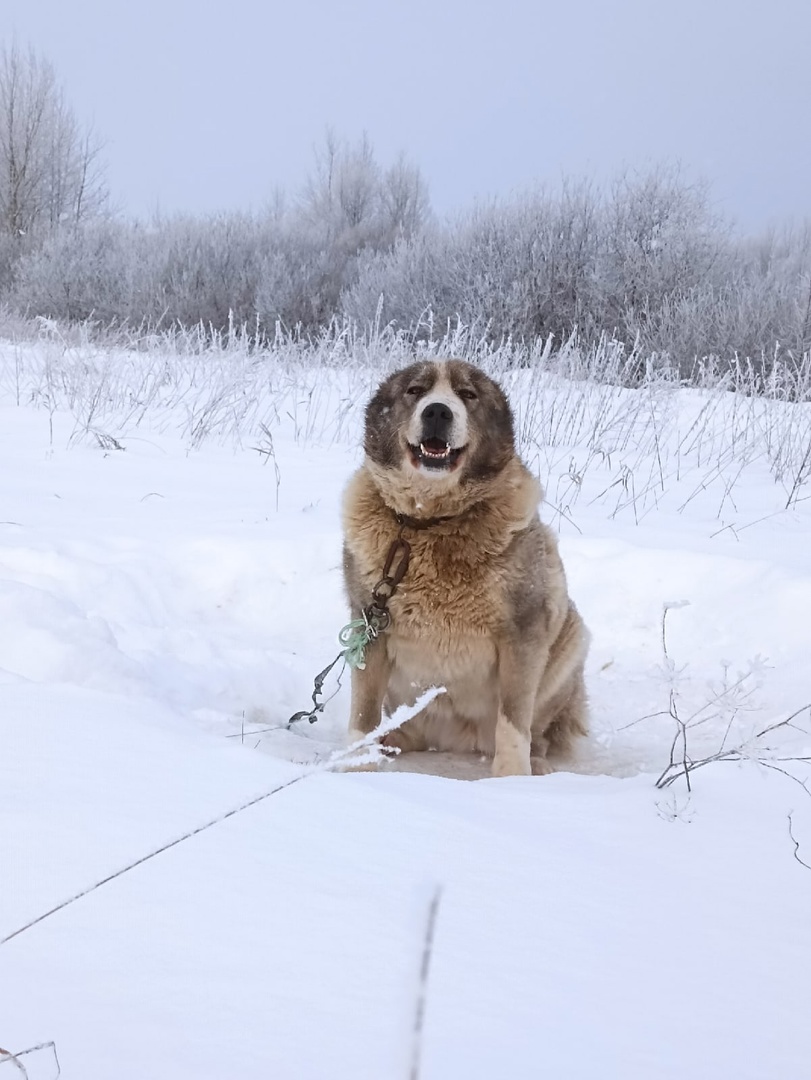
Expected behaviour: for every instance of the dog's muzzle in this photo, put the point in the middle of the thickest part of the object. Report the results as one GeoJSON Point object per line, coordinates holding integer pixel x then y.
{"type": "Point", "coordinates": [437, 422]}
{"type": "Point", "coordinates": [435, 450]}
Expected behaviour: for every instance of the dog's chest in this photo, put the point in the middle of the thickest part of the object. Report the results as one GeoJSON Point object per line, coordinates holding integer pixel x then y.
{"type": "Point", "coordinates": [451, 589]}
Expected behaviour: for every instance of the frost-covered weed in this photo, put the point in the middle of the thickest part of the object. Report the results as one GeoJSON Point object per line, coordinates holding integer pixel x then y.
{"type": "Point", "coordinates": [580, 425]}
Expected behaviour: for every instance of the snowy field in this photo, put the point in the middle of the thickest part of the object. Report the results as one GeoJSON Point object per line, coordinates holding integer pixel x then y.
{"type": "Point", "coordinates": [169, 586]}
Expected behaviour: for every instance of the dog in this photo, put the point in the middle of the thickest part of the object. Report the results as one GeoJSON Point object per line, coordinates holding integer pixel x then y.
{"type": "Point", "coordinates": [482, 608]}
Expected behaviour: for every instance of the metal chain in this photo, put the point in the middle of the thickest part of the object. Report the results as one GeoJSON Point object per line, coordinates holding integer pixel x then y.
{"type": "Point", "coordinates": [359, 634]}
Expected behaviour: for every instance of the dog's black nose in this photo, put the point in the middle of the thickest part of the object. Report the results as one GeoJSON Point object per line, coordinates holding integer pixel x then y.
{"type": "Point", "coordinates": [437, 419]}
{"type": "Point", "coordinates": [437, 410]}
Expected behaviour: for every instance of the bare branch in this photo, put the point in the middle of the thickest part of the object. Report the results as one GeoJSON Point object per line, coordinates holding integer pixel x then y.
{"type": "Point", "coordinates": [796, 843]}
{"type": "Point", "coordinates": [422, 993]}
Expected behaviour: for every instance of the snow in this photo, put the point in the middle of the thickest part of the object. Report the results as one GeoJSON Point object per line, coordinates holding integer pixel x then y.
{"type": "Point", "coordinates": [158, 614]}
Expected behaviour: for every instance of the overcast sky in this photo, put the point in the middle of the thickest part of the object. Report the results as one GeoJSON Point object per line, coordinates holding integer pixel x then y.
{"type": "Point", "coordinates": [209, 104]}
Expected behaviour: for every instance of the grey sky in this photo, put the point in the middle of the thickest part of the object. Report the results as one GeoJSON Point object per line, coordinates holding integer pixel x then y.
{"type": "Point", "coordinates": [208, 105]}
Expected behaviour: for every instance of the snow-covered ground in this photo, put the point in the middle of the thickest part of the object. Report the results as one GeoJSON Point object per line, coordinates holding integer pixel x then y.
{"type": "Point", "coordinates": [169, 586]}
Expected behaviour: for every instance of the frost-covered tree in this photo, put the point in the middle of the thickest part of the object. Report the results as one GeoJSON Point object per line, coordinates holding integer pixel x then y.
{"type": "Point", "coordinates": [50, 172]}
{"type": "Point", "coordinates": [350, 202]}
{"type": "Point", "coordinates": [349, 210]}
{"type": "Point", "coordinates": [662, 237]}
{"type": "Point", "coordinates": [340, 200]}
{"type": "Point", "coordinates": [405, 206]}
{"type": "Point", "coordinates": [79, 274]}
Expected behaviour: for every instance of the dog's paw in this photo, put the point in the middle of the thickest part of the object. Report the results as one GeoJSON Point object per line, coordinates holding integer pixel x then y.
{"type": "Point", "coordinates": [510, 765]}
{"type": "Point", "coordinates": [396, 740]}
{"type": "Point", "coordinates": [540, 766]}
{"type": "Point", "coordinates": [361, 758]}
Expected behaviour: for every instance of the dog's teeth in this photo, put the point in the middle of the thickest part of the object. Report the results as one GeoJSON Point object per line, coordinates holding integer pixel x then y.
{"type": "Point", "coordinates": [434, 453]}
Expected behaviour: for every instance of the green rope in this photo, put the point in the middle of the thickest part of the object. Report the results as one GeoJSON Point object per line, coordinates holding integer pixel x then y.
{"type": "Point", "coordinates": [359, 634]}
{"type": "Point", "coordinates": [355, 637]}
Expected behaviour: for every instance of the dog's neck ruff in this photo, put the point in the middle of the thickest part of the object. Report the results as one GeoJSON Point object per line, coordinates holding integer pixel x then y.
{"type": "Point", "coordinates": [493, 508]}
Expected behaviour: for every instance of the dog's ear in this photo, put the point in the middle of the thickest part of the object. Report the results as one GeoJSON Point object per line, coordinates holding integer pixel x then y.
{"type": "Point", "coordinates": [500, 421]}
{"type": "Point", "coordinates": [386, 411]}
{"type": "Point", "coordinates": [380, 435]}
{"type": "Point", "coordinates": [495, 445]}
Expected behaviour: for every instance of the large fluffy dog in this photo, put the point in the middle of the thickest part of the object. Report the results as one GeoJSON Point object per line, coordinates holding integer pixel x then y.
{"type": "Point", "coordinates": [483, 608]}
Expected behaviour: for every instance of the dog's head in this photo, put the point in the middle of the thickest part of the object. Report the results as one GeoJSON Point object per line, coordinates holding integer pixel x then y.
{"type": "Point", "coordinates": [440, 421]}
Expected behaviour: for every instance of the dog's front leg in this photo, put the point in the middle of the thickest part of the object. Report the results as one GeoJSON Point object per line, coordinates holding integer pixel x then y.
{"type": "Point", "coordinates": [519, 668]}
{"type": "Point", "coordinates": [369, 685]}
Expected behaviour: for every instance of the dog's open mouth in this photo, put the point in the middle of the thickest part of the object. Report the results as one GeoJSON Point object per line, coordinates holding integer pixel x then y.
{"type": "Point", "coordinates": [436, 454]}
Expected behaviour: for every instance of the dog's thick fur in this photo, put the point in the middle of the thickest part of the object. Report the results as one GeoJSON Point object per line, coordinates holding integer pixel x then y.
{"type": "Point", "coordinates": [483, 609]}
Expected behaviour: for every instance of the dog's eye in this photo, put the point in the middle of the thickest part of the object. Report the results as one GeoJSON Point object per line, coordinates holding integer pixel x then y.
{"type": "Point", "coordinates": [468, 395]}
{"type": "Point", "coordinates": [416, 391]}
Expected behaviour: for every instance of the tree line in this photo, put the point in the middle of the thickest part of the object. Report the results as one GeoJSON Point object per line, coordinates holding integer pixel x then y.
{"type": "Point", "coordinates": [645, 259]}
